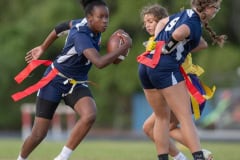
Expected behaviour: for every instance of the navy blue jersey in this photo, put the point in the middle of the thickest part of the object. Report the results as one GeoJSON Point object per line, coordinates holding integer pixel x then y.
{"type": "Point", "coordinates": [71, 62]}
{"type": "Point", "coordinates": [190, 18]}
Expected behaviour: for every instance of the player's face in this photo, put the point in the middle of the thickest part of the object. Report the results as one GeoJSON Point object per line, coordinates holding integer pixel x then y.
{"type": "Point", "coordinates": [212, 10]}
{"type": "Point", "coordinates": [98, 20]}
{"type": "Point", "coordinates": [150, 23]}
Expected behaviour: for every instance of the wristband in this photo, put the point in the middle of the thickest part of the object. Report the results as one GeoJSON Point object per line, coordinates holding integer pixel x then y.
{"type": "Point", "coordinates": [169, 46]}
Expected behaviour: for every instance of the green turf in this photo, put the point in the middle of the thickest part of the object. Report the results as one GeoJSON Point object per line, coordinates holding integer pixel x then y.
{"type": "Point", "coordinates": [111, 150]}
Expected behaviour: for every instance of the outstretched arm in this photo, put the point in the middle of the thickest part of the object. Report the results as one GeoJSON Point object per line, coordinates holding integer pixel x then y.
{"type": "Point", "coordinates": [58, 31]}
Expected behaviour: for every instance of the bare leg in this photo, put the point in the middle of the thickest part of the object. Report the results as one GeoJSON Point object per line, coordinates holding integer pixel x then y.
{"type": "Point", "coordinates": [178, 99]}
{"type": "Point", "coordinates": [177, 135]}
{"type": "Point", "coordinates": [86, 108]}
{"type": "Point", "coordinates": [39, 132]}
{"type": "Point", "coordinates": [161, 125]}
{"type": "Point", "coordinates": [148, 129]}
{"type": "Point", "coordinates": [175, 131]}
{"type": "Point", "coordinates": [148, 126]}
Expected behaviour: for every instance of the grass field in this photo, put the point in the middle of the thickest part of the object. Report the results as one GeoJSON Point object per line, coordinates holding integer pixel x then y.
{"type": "Point", "coordinates": [112, 150]}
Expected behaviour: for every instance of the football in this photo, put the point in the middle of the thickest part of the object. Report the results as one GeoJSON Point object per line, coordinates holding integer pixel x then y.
{"type": "Point", "coordinates": [114, 42]}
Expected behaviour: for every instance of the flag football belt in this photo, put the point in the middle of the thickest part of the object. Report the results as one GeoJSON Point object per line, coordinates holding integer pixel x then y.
{"type": "Point", "coordinates": [196, 97]}
{"type": "Point", "coordinates": [42, 82]}
{"type": "Point", "coordinates": [151, 62]}
{"type": "Point", "coordinates": [71, 81]}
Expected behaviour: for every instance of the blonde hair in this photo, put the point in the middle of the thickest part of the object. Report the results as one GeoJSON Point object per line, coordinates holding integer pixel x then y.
{"type": "Point", "coordinates": [200, 5]}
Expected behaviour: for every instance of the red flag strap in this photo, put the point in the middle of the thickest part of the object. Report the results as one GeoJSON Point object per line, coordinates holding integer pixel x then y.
{"type": "Point", "coordinates": [191, 88]}
{"type": "Point", "coordinates": [30, 67]}
{"type": "Point", "coordinates": [143, 59]}
{"type": "Point", "coordinates": [43, 82]}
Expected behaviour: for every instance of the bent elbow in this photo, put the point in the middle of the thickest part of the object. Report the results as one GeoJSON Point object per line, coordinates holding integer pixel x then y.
{"type": "Point", "coordinates": [100, 65]}
{"type": "Point", "coordinates": [205, 45]}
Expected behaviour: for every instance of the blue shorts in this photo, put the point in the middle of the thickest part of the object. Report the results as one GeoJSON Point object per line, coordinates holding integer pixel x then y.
{"type": "Point", "coordinates": [50, 96]}
{"type": "Point", "coordinates": [158, 79]}
{"type": "Point", "coordinates": [55, 89]}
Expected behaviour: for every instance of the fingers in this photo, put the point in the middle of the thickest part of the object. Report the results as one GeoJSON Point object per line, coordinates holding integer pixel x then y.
{"type": "Point", "coordinates": [33, 54]}
{"type": "Point", "coordinates": [123, 35]}
{"type": "Point", "coordinates": [29, 56]}
{"type": "Point", "coordinates": [118, 31]}
{"type": "Point", "coordinates": [126, 38]}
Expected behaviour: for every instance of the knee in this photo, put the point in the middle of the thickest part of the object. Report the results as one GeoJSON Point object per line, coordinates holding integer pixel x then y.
{"type": "Point", "coordinates": [89, 118]}
{"type": "Point", "coordinates": [147, 128]}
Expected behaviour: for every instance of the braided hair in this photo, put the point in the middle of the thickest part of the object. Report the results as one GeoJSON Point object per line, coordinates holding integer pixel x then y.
{"type": "Point", "coordinates": [200, 5]}
{"type": "Point", "coordinates": [88, 5]}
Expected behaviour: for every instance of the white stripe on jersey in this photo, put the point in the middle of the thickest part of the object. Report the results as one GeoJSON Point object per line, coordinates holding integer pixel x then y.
{"type": "Point", "coordinates": [82, 23]}
{"type": "Point", "coordinates": [180, 49]}
{"type": "Point", "coordinates": [69, 54]}
{"type": "Point", "coordinates": [190, 12]}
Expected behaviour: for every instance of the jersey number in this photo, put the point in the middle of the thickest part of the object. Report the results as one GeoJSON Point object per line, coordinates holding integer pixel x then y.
{"type": "Point", "coordinates": [171, 24]}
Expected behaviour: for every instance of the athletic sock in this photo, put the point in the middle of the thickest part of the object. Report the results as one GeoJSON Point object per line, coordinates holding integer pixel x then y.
{"type": "Point", "coordinates": [163, 157]}
{"type": "Point", "coordinates": [20, 158]}
{"type": "Point", "coordinates": [180, 156]}
{"type": "Point", "coordinates": [198, 155]}
{"type": "Point", "coordinates": [65, 153]}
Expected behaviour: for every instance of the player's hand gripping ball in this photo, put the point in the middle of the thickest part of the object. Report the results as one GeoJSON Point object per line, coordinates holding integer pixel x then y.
{"type": "Point", "coordinates": [115, 41]}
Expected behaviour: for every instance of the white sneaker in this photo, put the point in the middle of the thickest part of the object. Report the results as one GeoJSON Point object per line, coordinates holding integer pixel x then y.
{"type": "Point", "coordinates": [59, 158]}
{"type": "Point", "coordinates": [207, 154]}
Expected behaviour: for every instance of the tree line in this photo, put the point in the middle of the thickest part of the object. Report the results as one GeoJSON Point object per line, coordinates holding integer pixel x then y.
{"type": "Point", "coordinates": [25, 23]}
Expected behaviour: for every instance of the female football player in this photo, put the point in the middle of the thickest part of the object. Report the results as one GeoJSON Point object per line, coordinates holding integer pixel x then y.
{"type": "Point", "coordinates": [162, 78]}
{"type": "Point", "coordinates": [80, 51]}
{"type": "Point", "coordinates": [151, 15]}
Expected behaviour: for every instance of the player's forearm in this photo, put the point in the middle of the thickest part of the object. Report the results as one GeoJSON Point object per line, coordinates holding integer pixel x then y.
{"type": "Point", "coordinates": [202, 45]}
{"type": "Point", "coordinates": [49, 40]}
{"type": "Point", "coordinates": [59, 30]}
{"type": "Point", "coordinates": [178, 35]}
{"type": "Point", "coordinates": [181, 33]}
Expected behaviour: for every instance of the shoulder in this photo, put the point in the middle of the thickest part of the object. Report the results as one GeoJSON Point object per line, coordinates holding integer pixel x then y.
{"type": "Point", "coordinates": [191, 18]}
{"type": "Point", "coordinates": [80, 26]}
{"type": "Point", "coordinates": [176, 15]}
{"type": "Point", "coordinates": [79, 22]}
{"type": "Point", "coordinates": [190, 14]}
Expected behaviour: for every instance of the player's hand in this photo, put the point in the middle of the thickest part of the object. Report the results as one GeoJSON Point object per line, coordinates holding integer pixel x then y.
{"type": "Point", "coordinates": [126, 39]}
{"type": "Point", "coordinates": [34, 54]}
{"type": "Point", "coordinates": [126, 42]}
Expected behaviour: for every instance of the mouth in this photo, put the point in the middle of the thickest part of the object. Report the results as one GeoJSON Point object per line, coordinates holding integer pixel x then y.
{"type": "Point", "coordinates": [104, 28]}
{"type": "Point", "coordinates": [150, 31]}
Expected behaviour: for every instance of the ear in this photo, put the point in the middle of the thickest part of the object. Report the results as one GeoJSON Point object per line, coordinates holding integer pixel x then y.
{"type": "Point", "coordinates": [89, 18]}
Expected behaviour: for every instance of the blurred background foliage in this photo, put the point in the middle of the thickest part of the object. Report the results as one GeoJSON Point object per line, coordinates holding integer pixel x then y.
{"type": "Point", "coordinates": [25, 24]}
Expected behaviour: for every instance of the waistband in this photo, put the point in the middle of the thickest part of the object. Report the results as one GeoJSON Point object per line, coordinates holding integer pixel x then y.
{"type": "Point", "coordinates": [71, 81]}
